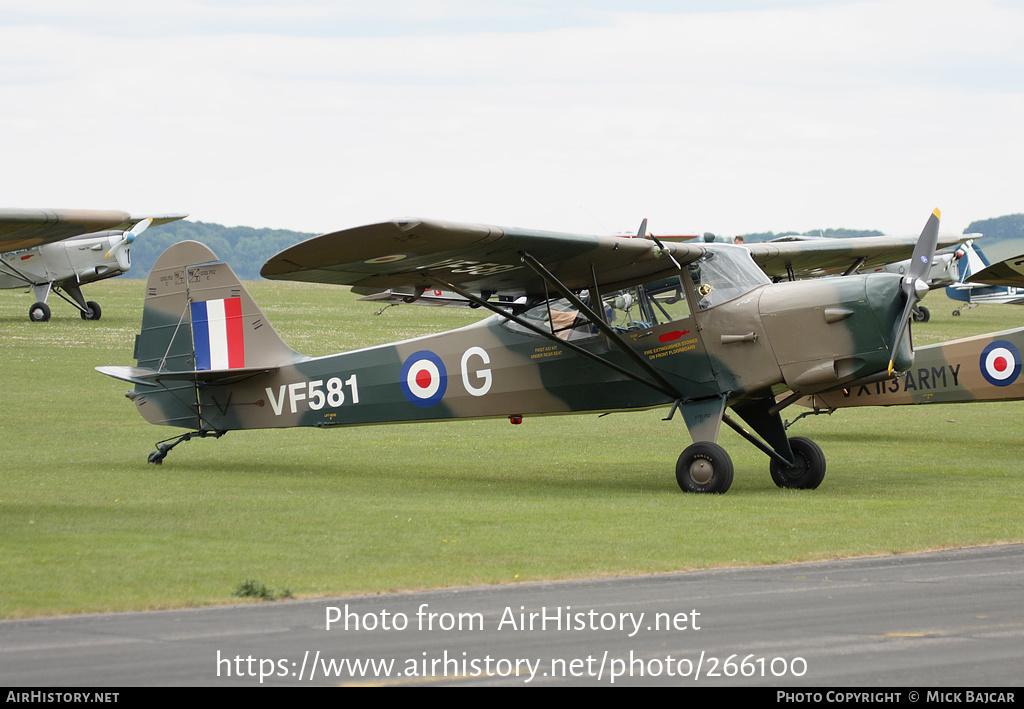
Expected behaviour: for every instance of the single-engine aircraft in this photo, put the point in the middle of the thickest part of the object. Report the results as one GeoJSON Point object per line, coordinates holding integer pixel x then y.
{"type": "Point", "coordinates": [981, 368]}
{"type": "Point", "coordinates": [582, 324]}
{"type": "Point", "coordinates": [60, 250]}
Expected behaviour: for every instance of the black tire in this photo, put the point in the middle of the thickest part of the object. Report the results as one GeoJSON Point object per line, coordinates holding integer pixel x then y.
{"type": "Point", "coordinates": [922, 314]}
{"type": "Point", "coordinates": [94, 311]}
{"type": "Point", "coordinates": [704, 467]}
{"type": "Point", "coordinates": [809, 470]}
{"type": "Point", "coordinates": [39, 312]}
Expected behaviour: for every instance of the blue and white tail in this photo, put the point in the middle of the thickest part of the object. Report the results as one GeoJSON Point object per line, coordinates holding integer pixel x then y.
{"type": "Point", "coordinates": [972, 261]}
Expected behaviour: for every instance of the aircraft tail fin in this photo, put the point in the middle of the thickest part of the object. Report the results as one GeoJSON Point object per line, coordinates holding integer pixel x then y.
{"type": "Point", "coordinates": [199, 326]}
{"type": "Point", "coordinates": [199, 317]}
{"type": "Point", "coordinates": [972, 261]}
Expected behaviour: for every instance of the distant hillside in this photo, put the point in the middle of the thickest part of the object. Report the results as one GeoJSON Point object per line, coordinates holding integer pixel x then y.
{"type": "Point", "coordinates": [246, 249]}
{"type": "Point", "coordinates": [999, 229]}
{"type": "Point", "coordinates": [1002, 237]}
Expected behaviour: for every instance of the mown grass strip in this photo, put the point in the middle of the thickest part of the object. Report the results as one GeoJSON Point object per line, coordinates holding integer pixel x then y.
{"type": "Point", "coordinates": [87, 525]}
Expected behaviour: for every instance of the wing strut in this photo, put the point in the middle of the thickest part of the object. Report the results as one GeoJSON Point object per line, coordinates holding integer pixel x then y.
{"type": "Point", "coordinates": [600, 324]}
{"type": "Point", "coordinates": [855, 265]}
{"type": "Point", "coordinates": [669, 391]}
{"type": "Point", "coordinates": [74, 296]}
{"type": "Point", "coordinates": [14, 271]}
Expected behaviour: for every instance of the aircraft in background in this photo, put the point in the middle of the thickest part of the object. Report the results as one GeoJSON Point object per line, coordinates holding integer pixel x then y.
{"type": "Point", "coordinates": [972, 292]}
{"type": "Point", "coordinates": [582, 324]}
{"type": "Point", "coordinates": [980, 368]}
{"type": "Point", "coordinates": [60, 250]}
{"type": "Point", "coordinates": [943, 270]}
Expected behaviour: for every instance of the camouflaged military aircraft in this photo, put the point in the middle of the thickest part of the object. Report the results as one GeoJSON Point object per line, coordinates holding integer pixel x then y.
{"type": "Point", "coordinates": [60, 250]}
{"type": "Point", "coordinates": [582, 324]}
{"type": "Point", "coordinates": [973, 369]}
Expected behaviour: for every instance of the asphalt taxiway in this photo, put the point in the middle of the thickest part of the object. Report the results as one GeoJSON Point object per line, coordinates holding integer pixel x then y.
{"type": "Point", "coordinates": [950, 618]}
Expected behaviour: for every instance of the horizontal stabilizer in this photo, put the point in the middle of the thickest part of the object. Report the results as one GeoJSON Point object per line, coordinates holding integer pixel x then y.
{"type": "Point", "coordinates": [145, 376]}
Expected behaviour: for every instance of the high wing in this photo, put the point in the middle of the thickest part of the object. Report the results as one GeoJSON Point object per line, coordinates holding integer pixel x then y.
{"type": "Point", "coordinates": [420, 254]}
{"type": "Point", "coordinates": [25, 228]}
{"type": "Point", "coordinates": [1005, 273]}
{"type": "Point", "coordinates": [824, 257]}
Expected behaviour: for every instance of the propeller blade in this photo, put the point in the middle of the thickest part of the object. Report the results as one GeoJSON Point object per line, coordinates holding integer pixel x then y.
{"type": "Point", "coordinates": [924, 252]}
{"type": "Point", "coordinates": [915, 285]}
{"type": "Point", "coordinates": [145, 224]}
{"type": "Point", "coordinates": [129, 236]}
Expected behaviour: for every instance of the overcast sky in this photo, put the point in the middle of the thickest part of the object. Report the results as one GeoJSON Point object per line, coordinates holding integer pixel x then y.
{"type": "Point", "coordinates": [730, 116]}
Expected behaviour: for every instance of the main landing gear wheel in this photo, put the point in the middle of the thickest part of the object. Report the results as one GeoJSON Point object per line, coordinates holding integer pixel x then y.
{"type": "Point", "coordinates": [94, 311]}
{"type": "Point", "coordinates": [704, 467]}
{"type": "Point", "coordinates": [809, 470]}
{"type": "Point", "coordinates": [39, 312]}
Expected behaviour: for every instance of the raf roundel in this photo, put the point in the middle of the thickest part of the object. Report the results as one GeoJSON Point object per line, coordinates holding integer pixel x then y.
{"type": "Point", "coordinates": [424, 378]}
{"type": "Point", "coordinates": [1000, 363]}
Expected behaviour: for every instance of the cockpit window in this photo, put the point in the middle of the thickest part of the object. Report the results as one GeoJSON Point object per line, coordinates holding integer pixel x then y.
{"type": "Point", "coordinates": [560, 317]}
{"type": "Point", "coordinates": [667, 301]}
{"type": "Point", "coordinates": [637, 308]}
{"type": "Point", "coordinates": [725, 273]}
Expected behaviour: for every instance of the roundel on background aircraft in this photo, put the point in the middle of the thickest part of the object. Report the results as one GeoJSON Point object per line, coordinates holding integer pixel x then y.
{"type": "Point", "coordinates": [424, 378]}
{"type": "Point", "coordinates": [1000, 363]}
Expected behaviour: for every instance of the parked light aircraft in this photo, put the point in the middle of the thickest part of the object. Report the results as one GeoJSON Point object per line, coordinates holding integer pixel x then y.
{"type": "Point", "coordinates": [974, 292]}
{"type": "Point", "coordinates": [59, 251]}
{"type": "Point", "coordinates": [582, 324]}
{"type": "Point", "coordinates": [943, 272]}
{"type": "Point", "coordinates": [981, 368]}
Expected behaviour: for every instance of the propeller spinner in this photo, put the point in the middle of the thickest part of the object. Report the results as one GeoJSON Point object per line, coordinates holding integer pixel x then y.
{"type": "Point", "coordinates": [129, 237]}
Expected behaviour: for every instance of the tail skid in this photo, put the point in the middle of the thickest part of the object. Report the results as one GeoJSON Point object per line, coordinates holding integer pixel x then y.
{"type": "Point", "coordinates": [164, 447]}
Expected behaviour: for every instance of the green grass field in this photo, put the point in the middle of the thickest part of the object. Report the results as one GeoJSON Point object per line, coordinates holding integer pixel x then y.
{"type": "Point", "coordinates": [87, 525]}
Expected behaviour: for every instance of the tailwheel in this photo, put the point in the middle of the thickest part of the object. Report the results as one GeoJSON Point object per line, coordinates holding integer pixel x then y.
{"type": "Point", "coordinates": [704, 467]}
{"type": "Point", "coordinates": [809, 470]}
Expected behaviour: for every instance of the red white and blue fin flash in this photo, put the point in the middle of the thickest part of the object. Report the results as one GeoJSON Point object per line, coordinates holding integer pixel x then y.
{"type": "Point", "coordinates": [217, 334]}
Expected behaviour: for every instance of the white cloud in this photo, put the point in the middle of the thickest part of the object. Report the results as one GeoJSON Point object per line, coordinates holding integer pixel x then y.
{"type": "Point", "coordinates": [857, 114]}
